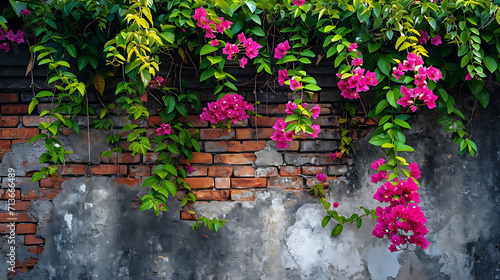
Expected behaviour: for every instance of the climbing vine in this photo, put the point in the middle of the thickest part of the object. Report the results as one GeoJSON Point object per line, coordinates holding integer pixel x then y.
{"type": "Point", "coordinates": [404, 55]}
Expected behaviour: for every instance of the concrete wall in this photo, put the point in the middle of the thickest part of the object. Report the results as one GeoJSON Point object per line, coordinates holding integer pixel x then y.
{"type": "Point", "coordinates": [93, 230]}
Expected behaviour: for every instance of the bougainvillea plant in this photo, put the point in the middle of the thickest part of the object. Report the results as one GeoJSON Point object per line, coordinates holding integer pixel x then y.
{"type": "Point", "coordinates": [414, 53]}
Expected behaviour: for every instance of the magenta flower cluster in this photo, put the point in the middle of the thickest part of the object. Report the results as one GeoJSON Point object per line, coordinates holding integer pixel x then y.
{"type": "Point", "coordinates": [251, 49]}
{"type": "Point", "coordinates": [436, 40]}
{"type": "Point", "coordinates": [164, 129]}
{"type": "Point", "coordinates": [17, 37]}
{"type": "Point", "coordinates": [281, 136]}
{"type": "Point", "coordinates": [230, 107]}
{"type": "Point", "coordinates": [279, 53]}
{"type": "Point", "coordinates": [403, 221]}
{"type": "Point", "coordinates": [414, 62]}
{"type": "Point", "coordinates": [359, 81]}
{"type": "Point", "coordinates": [200, 15]}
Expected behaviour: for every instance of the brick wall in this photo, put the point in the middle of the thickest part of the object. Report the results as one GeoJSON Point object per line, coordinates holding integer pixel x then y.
{"type": "Point", "coordinates": [232, 165]}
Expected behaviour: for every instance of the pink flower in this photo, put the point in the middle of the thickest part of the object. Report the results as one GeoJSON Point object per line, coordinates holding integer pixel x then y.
{"type": "Point", "coordinates": [243, 62]}
{"type": "Point", "coordinates": [223, 25]}
{"type": "Point", "coordinates": [335, 204]}
{"type": "Point", "coordinates": [199, 13]}
{"type": "Point", "coordinates": [18, 37]}
{"type": "Point", "coordinates": [434, 73]}
{"type": "Point", "coordinates": [230, 49]}
{"type": "Point", "coordinates": [214, 43]}
{"type": "Point", "coordinates": [282, 76]}
{"type": "Point", "coordinates": [164, 129]}
{"type": "Point", "coordinates": [321, 177]}
{"type": "Point", "coordinates": [189, 169]}
{"type": "Point", "coordinates": [357, 62]}
{"type": "Point", "coordinates": [424, 38]}
{"type": "Point", "coordinates": [436, 40]}
{"type": "Point", "coordinates": [317, 130]}
{"type": "Point", "coordinates": [230, 107]}
{"type": "Point", "coordinates": [25, 12]}
{"type": "Point", "coordinates": [5, 47]}
{"type": "Point", "coordinates": [281, 49]}
{"type": "Point", "coordinates": [252, 48]}
{"type": "Point", "coordinates": [290, 106]}
{"type": "Point", "coordinates": [156, 81]}
{"type": "Point", "coordinates": [315, 111]}
{"type": "Point", "coordinates": [159, 206]}
{"type": "Point", "coordinates": [414, 170]}
{"type": "Point", "coordinates": [353, 47]}
{"type": "Point", "coordinates": [299, 2]}
{"type": "Point", "coordinates": [468, 77]}
{"type": "Point", "coordinates": [376, 164]}
{"type": "Point", "coordinates": [294, 84]}
{"type": "Point", "coordinates": [242, 38]}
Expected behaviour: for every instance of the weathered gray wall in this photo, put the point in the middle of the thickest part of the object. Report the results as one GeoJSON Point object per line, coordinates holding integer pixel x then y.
{"type": "Point", "coordinates": [92, 232]}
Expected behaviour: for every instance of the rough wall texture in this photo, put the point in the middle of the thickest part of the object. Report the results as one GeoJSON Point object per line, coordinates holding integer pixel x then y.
{"type": "Point", "coordinates": [86, 224]}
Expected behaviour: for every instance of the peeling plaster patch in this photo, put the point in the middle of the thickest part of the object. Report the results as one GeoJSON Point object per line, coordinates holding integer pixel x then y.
{"type": "Point", "coordinates": [308, 242]}
{"type": "Point", "coordinates": [380, 261]}
{"type": "Point", "coordinates": [82, 188]}
{"type": "Point", "coordinates": [68, 218]}
{"type": "Point", "coordinates": [89, 205]}
{"type": "Point", "coordinates": [214, 208]}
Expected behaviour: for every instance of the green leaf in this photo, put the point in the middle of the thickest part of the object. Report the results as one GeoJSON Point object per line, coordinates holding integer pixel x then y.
{"type": "Point", "coordinates": [207, 49]}
{"type": "Point", "coordinates": [169, 186]}
{"type": "Point", "coordinates": [312, 87]}
{"type": "Point", "coordinates": [381, 106]}
{"type": "Point", "coordinates": [325, 221]}
{"type": "Point", "coordinates": [402, 123]}
{"type": "Point", "coordinates": [251, 6]}
{"type": "Point", "coordinates": [384, 66]}
{"type": "Point", "coordinates": [169, 103]}
{"type": "Point", "coordinates": [207, 74]}
{"type": "Point", "coordinates": [150, 181]}
{"type": "Point", "coordinates": [257, 31]}
{"type": "Point", "coordinates": [490, 63]}
{"type": "Point", "coordinates": [404, 148]}
{"type": "Point", "coordinates": [173, 148]}
{"type": "Point", "coordinates": [337, 230]}
{"type": "Point", "coordinates": [170, 168]}
{"type": "Point", "coordinates": [196, 146]}
{"type": "Point", "coordinates": [37, 176]}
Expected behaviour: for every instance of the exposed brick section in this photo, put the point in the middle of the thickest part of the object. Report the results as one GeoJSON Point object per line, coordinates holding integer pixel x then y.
{"type": "Point", "coordinates": [6, 194]}
{"type": "Point", "coordinates": [243, 195]}
{"type": "Point", "coordinates": [20, 218]}
{"type": "Point", "coordinates": [220, 171]}
{"type": "Point", "coordinates": [248, 183]}
{"type": "Point", "coordinates": [245, 146]}
{"type": "Point", "coordinates": [35, 120]}
{"type": "Point", "coordinates": [55, 182]}
{"type": "Point", "coordinates": [109, 169]}
{"type": "Point", "coordinates": [216, 134]}
{"type": "Point", "coordinates": [264, 121]}
{"type": "Point", "coordinates": [132, 182]}
{"type": "Point", "coordinates": [14, 109]}
{"type": "Point", "coordinates": [5, 145]}
{"type": "Point", "coordinates": [200, 182]}
{"type": "Point", "coordinates": [243, 158]}
{"type": "Point", "coordinates": [9, 133]}
{"type": "Point", "coordinates": [292, 146]}
{"type": "Point", "coordinates": [244, 171]}
{"type": "Point", "coordinates": [266, 172]}
{"type": "Point", "coordinates": [29, 262]}
{"type": "Point", "coordinates": [195, 120]}
{"type": "Point", "coordinates": [122, 158]}
{"type": "Point", "coordinates": [312, 170]}
{"type": "Point", "coordinates": [198, 171]}
{"type": "Point", "coordinates": [138, 170]}
{"type": "Point", "coordinates": [289, 170]}
{"type": "Point", "coordinates": [26, 228]}
{"type": "Point", "coordinates": [8, 97]}
{"type": "Point", "coordinates": [9, 121]}
{"type": "Point", "coordinates": [205, 158]}
{"type": "Point", "coordinates": [186, 216]}
{"type": "Point", "coordinates": [32, 240]}
{"type": "Point", "coordinates": [285, 182]}
{"type": "Point", "coordinates": [22, 205]}
{"type": "Point", "coordinates": [251, 133]}
{"type": "Point", "coordinates": [212, 195]}
{"type": "Point", "coordinates": [72, 169]}
{"type": "Point", "coordinates": [216, 146]}
{"type": "Point", "coordinates": [222, 183]}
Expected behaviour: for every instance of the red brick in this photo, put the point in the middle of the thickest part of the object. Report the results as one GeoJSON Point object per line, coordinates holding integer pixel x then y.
{"type": "Point", "coordinates": [4, 228]}
{"type": "Point", "coordinates": [289, 170]}
{"type": "Point", "coordinates": [33, 249]}
{"type": "Point", "coordinates": [187, 216]}
{"type": "Point", "coordinates": [365, 121]}
{"type": "Point", "coordinates": [198, 171]}
{"type": "Point", "coordinates": [122, 158]}
{"type": "Point", "coordinates": [313, 181]}
{"type": "Point", "coordinates": [29, 195]}
{"type": "Point", "coordinates": [18, 132]}
{"type": "Point", "coordinates": [35, 120]}
{"type": "Point", "coordinates": [14, 109]}
{"type": "Point", "coordinates": [4, 145]}
{"type": "Point", "coordinates": [285, 182]}
{"type": "Point", "coordinates": [131, 182]}
{"type": "Point", "coordinates": [200, 182]}
{"type": "Point", "coordinates": [15, 141]}
{"type": "Point", "coordinates": [216, 134]}
{"type": "Point", "coordinates": [242, 158]}
{"type": "Point", "coordinates": [244, 171]}
{"type": "Point", "coordinates": [264, 121]}
{"type": "Point", "coordinates": [199, 158]}
{"type": "Point", "coordinates": [55, 182]}
{"type": "Point", "coordinates": [195, 120]}
{"type": "Point", "coordinates": [312, 170]}
{"type": "Point", "coordinates": [19, 218]}
{"type": "Point", "coordinates": [248, 183]}
{"type": "Point", "coordinates": [72, 169]}
{"type": "Point", "coordinates": [40, 249]}
{"type": "Point", "coordinates": [26, 228]}
{"type": "Point", "coordinates": [222, 183]}
{"type": "Point", "coordinates": [155, 120]}
{"type": "Point", "coordinates": [8, 97]}
{"type": "Point", "coordinates": [220, 171]}
{"type": "Point", "coordinates": [243, 195]}
{"type": "Point", "coordinates": [249, 133]}
{"type": "Point", "coordinates": [22, 205]}
{"type": "Point", "coordinates": [266, 172]}
{"type": "Point", "coordinates": [245, 146]}
{"type": "Point", "coordinates": [212, 195]}
{"type": "Point", "coordinates": [32, 240]}
{"type": "Point", "coordinates": [151, 157]}
{"type": "Point", "coordinates": [108, 169]}
{"type": "Point", "coordinates": [139, 170]}
{"type": "Point", "coordinates": [292, 146]}
{"type": "Point", "coordinates": [9, 121]}
{"type": "Point", "coordinates": [50, 193]}
{"type": "Point", "coordinates": [5, 194]}
{"type": "Point", "coordinates": [215, 146]}
{"type": "Point", "coordinates": [29, 262]}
